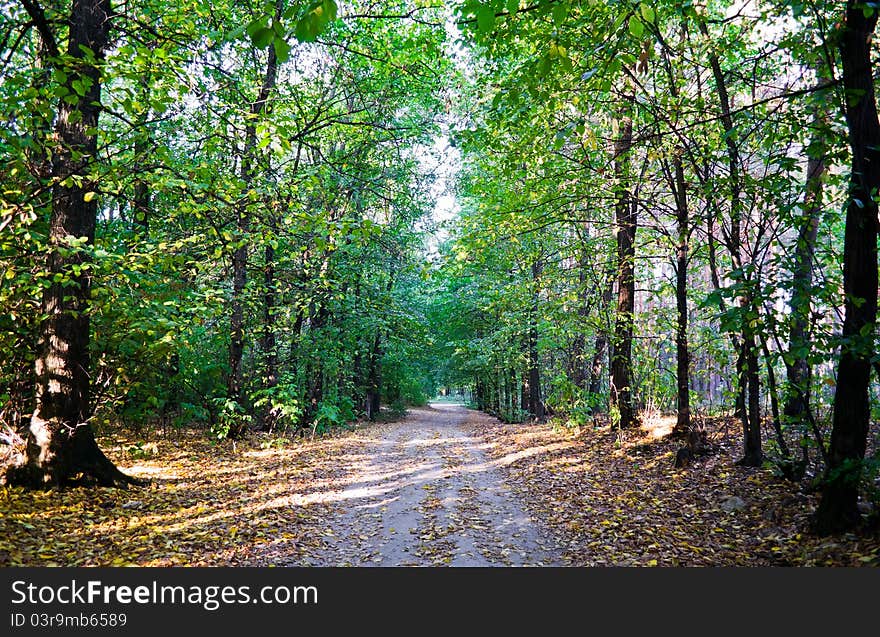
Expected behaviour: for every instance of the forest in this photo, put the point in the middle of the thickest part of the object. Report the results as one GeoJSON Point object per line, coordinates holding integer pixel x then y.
{"type": "Point", "coordinates": [280, 280]}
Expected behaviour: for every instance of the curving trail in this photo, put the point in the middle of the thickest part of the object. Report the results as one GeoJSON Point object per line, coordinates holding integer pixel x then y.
{"type": "Point", "coordinates": [422, 492]}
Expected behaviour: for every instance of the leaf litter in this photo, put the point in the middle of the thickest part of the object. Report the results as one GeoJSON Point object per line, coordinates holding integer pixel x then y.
{"type": "Point", "coordinates": [615, 499]}
{"type": "Point", "coordinates": [483, 493]}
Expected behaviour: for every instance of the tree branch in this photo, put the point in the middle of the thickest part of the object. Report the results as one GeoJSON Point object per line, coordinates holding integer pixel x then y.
{"type": "Point", "coordinates": [35, 11]}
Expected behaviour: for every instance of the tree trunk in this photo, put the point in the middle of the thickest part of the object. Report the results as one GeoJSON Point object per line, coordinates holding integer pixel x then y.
{"type": "Point", "coordinates": [578, 366]}
{"type": "Point", "coordinates": [61, 446]}
{"type": "Point", "coordinates": [798, 370]}
{"type": "Point", "coordinates": [536, 402]}
{"type": "Point", "coordinates": [358, 378]}
{"type": "Point", "coordinates": [739, 406]}
{"type": "Point", "coordinates": [683, 421]}
{"type": "Point", "coordinates": [141, 201]}
{"type": "Point", "coordinates": [774, 400]}
{"type": "Point", "coordinates": [315, 365]}
{"type": "Point", "coordinates": [235, 385]}
{"type": "Point", "coordinates": [374, 378]}
{"type": "Point", "coordinates": [753, 454]}
{"type": "Point", "coordinates": [510, 389]}
{"type": "Point", "coordinates": [678, 185]}
{"type": "Point", "coordinates": [599, 349]}
{"type": "Point", "coordinates": [269, 342]}
{"type": "Point", "coordinates": [852, 408]}
{"type": "Point", "coordinates": [236, 321]}
{"type": "Point", "coordinates": [749, 393]}
{"type": "Point", "coordinates": [626, 219]}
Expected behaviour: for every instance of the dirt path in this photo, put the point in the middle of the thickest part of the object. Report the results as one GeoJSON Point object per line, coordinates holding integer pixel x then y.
{"type": "Point", "coordinates": [423, 492]}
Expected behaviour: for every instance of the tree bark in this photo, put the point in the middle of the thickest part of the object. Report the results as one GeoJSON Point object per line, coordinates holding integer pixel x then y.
{"type": "Point", "coordinates": [578, 366]}
{"type": "Point", "coordinates": [753, 454]}
{"type": "Point", "coordinates": [683, 421]}
{"type": "Point", "coordinates": [626, 218]}
{"type": "Point", "coordinates": [600, 348]}
{"type": "Point", "coordinates": [61, 446]}
{"type": "Point", "coordinates": [774, 400]}
{"type": "Point", "coordinates": [511, 399]}
{"type": "Point", "coordinates": [747, 364]}
{"type": "Point", "coordinates": [678, 185]}
{"type": "Point", "coordinates": [268, 343]}
{"type": "Point", "coordinates": [536, 402]}
{"type": "Point", "coordinates": [374, 378]}
{"type": "Point", "coordinates": [318, 316]}
{"type": "Point", "coordinates": [798, 369]}
{"type": "Point", "coordinates": [577, 362]}
{"type": "Point", "coordinates": [852, 408]}
{"type": "Point", "coordinates": [142, 197]}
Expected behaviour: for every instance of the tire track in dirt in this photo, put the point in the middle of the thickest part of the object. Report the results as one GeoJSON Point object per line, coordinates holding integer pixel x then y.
{"type": "Point", "coordinates": [421, 492]}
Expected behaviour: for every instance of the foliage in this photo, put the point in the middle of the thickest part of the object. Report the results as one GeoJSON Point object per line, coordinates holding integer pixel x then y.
{"type": "Point", "coordinates": [266, 192]}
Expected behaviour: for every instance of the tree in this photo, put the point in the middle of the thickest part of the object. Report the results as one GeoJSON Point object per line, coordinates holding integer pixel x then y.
{"type": "Point", "coordinates": [852, 406]}
{"type": "Point", "coordinates": [61, 443]}
{"type": "Point", "coordinates": [240, 255]}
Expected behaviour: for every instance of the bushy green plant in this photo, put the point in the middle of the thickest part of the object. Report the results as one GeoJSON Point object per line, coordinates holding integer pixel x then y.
{"type": "Point", "coordinates": [281, 403]}
{"type": "Point", "coordinates": [334, 411]}
{"type": "Point", "coordinates": [231, 418]}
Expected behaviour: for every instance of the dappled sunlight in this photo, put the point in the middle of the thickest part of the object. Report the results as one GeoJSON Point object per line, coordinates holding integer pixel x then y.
{"type": "Point", "coordinates": [612, 497]}
{"type": "Point", "coordinates": [528, 452]}
{"type": "Point", "coordinates": [378, 504]}
{"type": "Point", "coordinates": [433, 442]}
{"type": "Point", "coordinates": [194, 502]}
{"type": "Point", "coordinates": [379, 475]}
{"type": "Point", "coordinates": [568, 464]}
{"type": "Point", "coordinates": [657, 425]}
{"type": "Point", "coordinates": [148, 471]}
{"type": "Point", "coordinates": [200, 500]}
{"type": "Point", "coordinates": [616, 499]}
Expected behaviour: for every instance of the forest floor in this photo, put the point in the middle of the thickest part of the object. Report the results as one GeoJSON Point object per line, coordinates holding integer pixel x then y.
{"type": "Point", "coordinates": [423, 492]}
{"type": "Point", "coordinates": [445, 486]}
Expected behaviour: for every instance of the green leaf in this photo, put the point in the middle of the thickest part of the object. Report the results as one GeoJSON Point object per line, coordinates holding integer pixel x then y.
{"type": "Point", "coordinates": [235, 34]}
{"type": "Point", "coordinates": [304, 31]}
{"type": "Point", "coordinates": [330, 10]}
{"type": "Point", "coordinates": [647, 13]}
{"type": "Point", "coordinates": [560, 12]}
{"type": "Point", "coordinates": [485, 19]}
{"type": "Point", "coordinates": [636, 28]}
{"type": "Point", "coordinates": [257, 24]}
{"type": "Point", "coordinates": [512, 6]}
{"type": "Point", "coordinates": [315, 20]}
{"type": "Point", "coordinates": [263, 37]}
{"type": "Point", "coordinates": [282, 50]}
